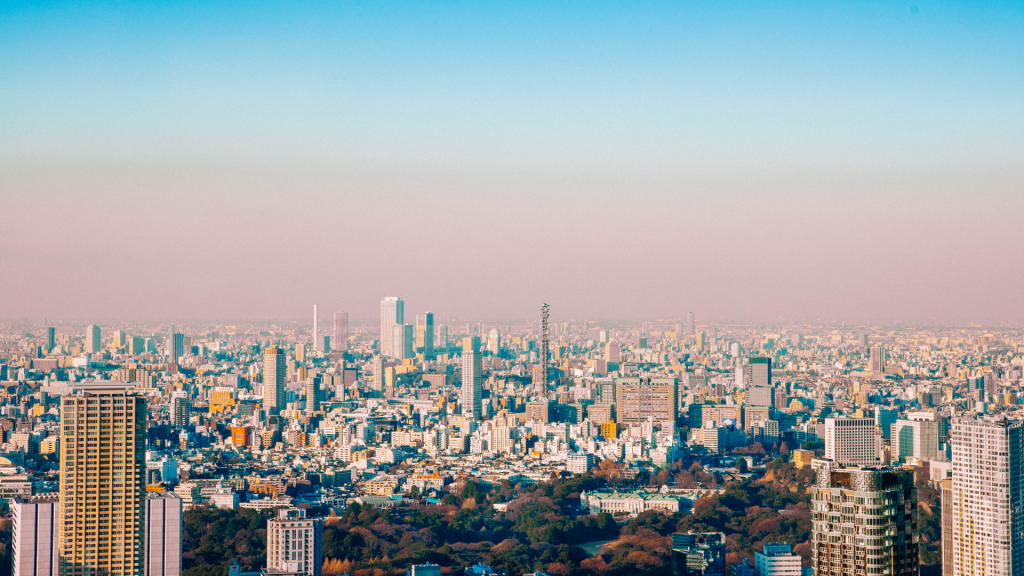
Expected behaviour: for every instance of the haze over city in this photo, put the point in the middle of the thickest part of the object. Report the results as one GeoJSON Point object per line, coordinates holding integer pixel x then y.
{"type": "Point", "coordinates": [835, 161]}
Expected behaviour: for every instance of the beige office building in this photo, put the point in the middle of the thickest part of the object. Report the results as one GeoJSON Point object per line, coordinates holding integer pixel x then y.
{"type": "Point", "coordinates": [638, 400]}
{"type": "Point", "coordinates": [275, 367]}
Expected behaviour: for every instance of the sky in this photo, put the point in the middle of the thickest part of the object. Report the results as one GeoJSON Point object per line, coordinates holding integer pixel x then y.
{"type": "Point", "coordinates": [777, 160]}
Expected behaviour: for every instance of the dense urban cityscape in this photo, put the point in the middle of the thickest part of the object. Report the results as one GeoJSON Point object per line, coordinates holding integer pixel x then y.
{"type": "Point", "coordinates": [542, 446]}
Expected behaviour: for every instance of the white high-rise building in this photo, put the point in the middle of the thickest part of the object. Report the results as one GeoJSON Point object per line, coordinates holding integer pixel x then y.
{"type": "Point", "coordinates": [915, 439]}
{"type": "Point", "coordinates": [988, 499]}
{"type": "Point", "coordinates": [92, 339]}
{"type": "Point", "coordinates": [777, 560]}
{"type": "Point", "coordinates": [163, 534]}
{"type": "Point", "coordinates": [471, 393]}
{"type": "Point", "coordinates": [295, 543]}
{"type": "Point", "coordinates": [851, 441]}
{"type": "Point", "coordinates": [340, 341]}
{"type": "Point", "coordinates": [494, 341]}
{"type": "Point", "coordinates": [34, 537]}
{"type": "Point", "coordinates": [392, 312]}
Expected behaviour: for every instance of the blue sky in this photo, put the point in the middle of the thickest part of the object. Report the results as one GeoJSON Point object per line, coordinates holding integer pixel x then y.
{"type": "Point", "coordinates": [797, 113]}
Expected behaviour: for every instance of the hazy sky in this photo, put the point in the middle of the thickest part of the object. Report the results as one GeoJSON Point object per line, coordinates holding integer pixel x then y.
{"type": "Point", "coordinates": [853, 160]}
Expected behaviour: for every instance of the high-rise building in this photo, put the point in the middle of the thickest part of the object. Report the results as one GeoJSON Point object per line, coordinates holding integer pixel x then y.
{"type": "Point", "coordinates": [120, 339]}
{"type": "Point", "coordinates": [637, 400]}
{"type": "Point", "coordinates": [698, 554]}
{"type": "Point", "coordinates": [34, 535]}
{"type": "Point", "coordinates": [471, 393]}
{"type": "Point", "coordinates": [175, 346]}
{"type": "Point", "coordinates": [425, 333]}
{"type": "Point", "coordinates": [877, 359]}
{"type": "Point", "coordinates": [294, 543]}
{"type": "Point", "coordinates": [274, 370]}
{"type": "Point", "coordinates": [163, 534]}
{"type": "Point", "coordinates": [759, 396]}
{"type": "Point", "coordinates": [441, 341]}
{"type": "Point", "coordinates": [136, 345]}
{"type": "Point", "coordinates": [102, 483]}
{"type": "Point", "coordinates": [946, 495]}
{"type": "Point", "coordinates": [612, 353]}
{"type": "Point", "coordinates": [884, 419]}
{"type": "Point", "coordinates": [915, 438]}
{"type": "Point", "coordinates": [987, 497]}
{"type": "Point", "coordinates": [340, 341]}
{"type": "Point", "coordinates": [761, 372]}
{"type": "Point", "coordinates": [181, 408]}
{"type": "Point", "coordinates": [93, 342]}
{"type": "Point", "coordinates": [312, 393]}
{"type": "Point", "coordinates": [777, 560]}
{"type": "Point", "coordinates": [494, 341]}
{"type": "Point", "coordinates": [402, 342]}
{"type": "Point", "coordinates": [392, 312]}
{"type": "Point", "coordinates": [317, 342]}
{"type": "Point", "coordinates": [51, 339]}
{"type": "Point", "coordinates": [851, 441]}
{"type": "Point", "coordinates": [864, 522]}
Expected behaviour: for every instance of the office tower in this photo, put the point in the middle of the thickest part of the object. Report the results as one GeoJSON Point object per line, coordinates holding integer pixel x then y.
{"type": "Point", "coordinates": [606, 391]}
{"type": "Point", "coordinates": [914, 438]}
{"type": "Point", "coordinates": [612, 353]}
{"type": "Point", "coordinates": [877, 359]}
{"type": "Point", "coordinates": [441, 339]}
{"type": "Point", "coordinates": [988, 498]}
{"type": "Point", "coordinates": [545, 312]}
{"type": "Point", "coordinates": [864, 522]}
{"type": "Point", "coordinates": [761, 372]}
{"type": "Point", "coordinates": [425, 333]}
{"type": "Point", "coordinates": [294, 543]}
{"type": "Point", "coordinates": [163, 534]}
{"type": "Point", "coordinates": [699, 340]}
{"type": "Point", "coordinates": [698, 554]}
{"type": "Point", "coordinates": [136, 345]}
{"type": "Point", "coordinates": [759, 396]}
{"type": "Point", "coordinates": [392, 312]}
{"type": "Point", "coordinates": [378, 373]}
{"type": "Point", "coordinates": [402, 342]}
{"type": "Point", "coordinates": [691, 324]}
{"type": "Point", "coordinates": [777, 560]}
{"type": "Point", "coordinates": [884, 419]}
{"type": "Point", "coordinates": [34, 537]}
{"type": "Point", "coordinates": [494, 341]}
{"type": "Point", "coordinates": [102, 487]}
{"type": "Point", "coordinates": [471, 393]}
{"type": "Point", "coordinates": [851, 441]}
{"type": "Point", "coordinates": [946, 494]}
{"type": "Point", "coordinates": [316, 329]}
{"type": "Point", "coordinates": [181, 408]}
{"type": "Point", "coordinates": [175, 346]}
{"type": "Point", "coordinates": [340, 342]}
{"type": "Point", "coordinates": [864, 341]}
{"type": "Point", "coordinates": [638, 400]}
{"type": "Point", "coordinates": [274, 369]}
{"type": "Point", "coordinates": [312, 393]}
{"type": "Point", "coordinates": [51, 339]}
{"type": "Point", "coordinates": [120, 339]}
{"type": "Point", "coordinates": [92, 339]}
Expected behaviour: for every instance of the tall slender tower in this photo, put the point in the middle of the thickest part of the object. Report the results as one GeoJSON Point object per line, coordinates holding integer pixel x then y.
{"type": "Point", "coordinates": [340, 341]}
{"type": "Point", "coordinates": [987, 497]}
{"type": "Point", "coordinates": [92, 339]}
{"type": "Point", "coordinates": [392, 312]}
{"type": "Point", "coordinates": [102, 484]}
{"type": "Point", "coordinates": [544, 343]}
{"type": "Point", "coordinates": [471, 393]}
{"type": "Point", "coordinates": [274, 368]}
{"type": "Point", "coordinates": [317, 343]}
{"type": "Point", "coordinates": [425, 333]}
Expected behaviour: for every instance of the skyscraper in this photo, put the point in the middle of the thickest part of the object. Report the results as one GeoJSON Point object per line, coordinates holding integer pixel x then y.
{"type": "Point", "coordinates": [340, 341]}
{"type": "Point", "coordinates": [637, 400]}
{"type": "Point", "coordinates": [313, 393]}
{"type": "Point", "coordinates": [294, 543]}
{"type": "Point", "coordinates": [471, 394]}
{"type": "Point", "coordinates": [877, 359]}
{"type": "Point", "coordinates": [402, 342]}
{"type": "Point", "coordinates": [988, 498]}
{"type": "Point", "coordinates": [864, 522]}
{"type": "Point", "coordinates": [494, 341]}
{"type": "Point", "coordinates": [392, 312]}
{"type": "Point", "coordinates": [175, 346]}
{"type": "Point", "coordinates": [92, 339]}
{"type": "Point", "coordinates": [691, 324]}
{"type": "Point", "coordinates": [181, 408]}
{"type": "Point", "coordinates": [425, 333]}
{"type": "Point", "coordinates": [274, 371]}
{"type": "Point", "coordinates": [317, 343]}
{"type": "Point", "coordinates": [102, 487]}
{"type": "Point", "coordinates": [761, 372]}
{"type": "Point", "coordinates": [51, 336]}
{"type": "Point", "coordinates": [163, 534]}
{"type": "Point", "coordinates": [915, 438]}
{"type": "Point", "coordinates": [441, 341]}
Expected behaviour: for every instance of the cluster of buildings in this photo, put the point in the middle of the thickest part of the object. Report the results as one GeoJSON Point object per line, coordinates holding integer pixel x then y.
{"type": "Point", "coordinates": [274, 415]}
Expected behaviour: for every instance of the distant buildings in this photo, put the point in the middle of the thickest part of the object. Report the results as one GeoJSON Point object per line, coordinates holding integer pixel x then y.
{"type": "Point", "coordinates": [340, 342]}
{"type": "Point", "coordinates": [471, 393]}
{"type": "Point", "coordinates": [698, 554]}
{"type": "Point", "coordinates": [638, 400]}
{"type": "Point", "coordinates": [274, 371]}
{"type": "Point", "coordinates": [392, 313]}
{"type": "Point", "coordinates": [93, 342]}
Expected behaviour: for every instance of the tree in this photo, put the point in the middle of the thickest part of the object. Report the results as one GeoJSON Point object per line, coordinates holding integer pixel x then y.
{"type": "Point", "coordinates": [741, 465]}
